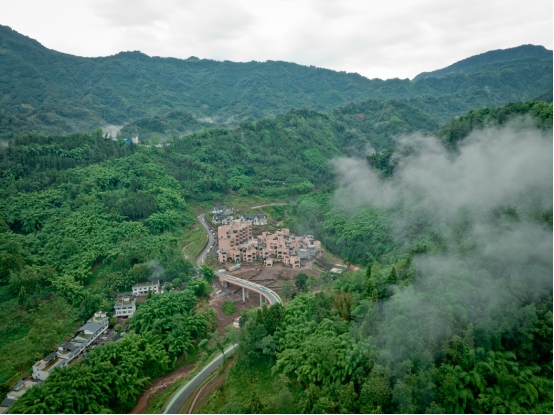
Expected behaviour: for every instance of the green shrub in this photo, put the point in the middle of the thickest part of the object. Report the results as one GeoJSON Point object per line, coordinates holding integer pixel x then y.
{"type": "Point", "coordinates": [229, 308]}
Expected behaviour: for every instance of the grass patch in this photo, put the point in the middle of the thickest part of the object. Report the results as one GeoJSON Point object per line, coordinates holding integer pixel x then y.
{"type": "Point", "coordinates": [229, 307]}
{"type": "Point", "coordinates": [26, 337]}
{"type": "Point", "coordinates": [239, 386]}
{"type": "Point", "coordinates": [193, 241]}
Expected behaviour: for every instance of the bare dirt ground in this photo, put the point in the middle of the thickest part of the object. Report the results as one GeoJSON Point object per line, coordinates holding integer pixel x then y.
{"type": "Point", "coordinates": [271, 277]}
{"type": "Point", "coordinates": [159, 385]}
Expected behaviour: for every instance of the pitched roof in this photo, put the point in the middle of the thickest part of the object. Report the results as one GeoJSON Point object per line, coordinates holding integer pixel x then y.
{"type": "Point", "coordinates": [19, 385]}
{"type": "Point", "coordinates": [7, 402]}
{"type": "Point", "coordinates": [249, 217]}
{"type": "Point", "coordinates": [50, 357]}
{"type": "Point", "coordinates": [91, 326]}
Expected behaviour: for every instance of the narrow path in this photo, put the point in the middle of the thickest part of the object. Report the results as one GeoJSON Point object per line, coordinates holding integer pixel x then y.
{"type": "Point", "coordinates": [269, 204]}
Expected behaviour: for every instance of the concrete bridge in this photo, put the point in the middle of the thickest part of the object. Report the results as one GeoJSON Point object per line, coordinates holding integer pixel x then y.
{"type": "Point", "coordinates": [264, 292]}
{"type": "Point", "coordinates": [181, 395]}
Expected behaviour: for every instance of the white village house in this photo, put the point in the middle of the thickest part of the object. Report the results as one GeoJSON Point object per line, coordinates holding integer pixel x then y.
{"type": "Point", "coordinates": [257, 220]}
{"type": "Point", "coordinates": [125, 306]}
{"type": "Point", "coordinates": [70, 350]}
{"type": "Point", "coordinates": [142, 288]}
{"type": "Point", "coordinates": [219, 210]}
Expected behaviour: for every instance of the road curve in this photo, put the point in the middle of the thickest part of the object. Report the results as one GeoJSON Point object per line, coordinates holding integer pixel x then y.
{"type": "Point", "coordinates": [184, 392]}
{"type": "Point", "coordinates": [271, 296]}
{"type": "Point", "coordinates": [211, 240]}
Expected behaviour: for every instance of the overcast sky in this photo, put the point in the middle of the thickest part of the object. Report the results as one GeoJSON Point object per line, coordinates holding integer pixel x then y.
{"type": "Point", "coordinates": [377, 39]}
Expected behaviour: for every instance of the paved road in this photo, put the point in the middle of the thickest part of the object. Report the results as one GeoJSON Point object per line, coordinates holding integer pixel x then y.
{"type": "Point", "coordinates": [211, 241]}
{"type": "Point", "coordinates": [184, 392]}
{"type": "Point", "coordinates": [179, 397]}
{"type": "Point", "coordinates": [271, 296]}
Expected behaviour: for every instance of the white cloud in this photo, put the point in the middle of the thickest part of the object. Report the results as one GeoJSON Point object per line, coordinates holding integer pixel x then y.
{"type": "Point", "coordinates": [376, 39]}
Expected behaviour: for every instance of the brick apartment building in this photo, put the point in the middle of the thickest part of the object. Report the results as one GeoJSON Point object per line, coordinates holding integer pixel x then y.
{"type": "Point", "coordinates": [236, 244]}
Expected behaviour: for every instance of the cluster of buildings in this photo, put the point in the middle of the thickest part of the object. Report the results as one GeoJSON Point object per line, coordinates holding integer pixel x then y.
{"type": "Point", "coordinates": [18, 390]}
{"type": "Point", "coordinates": [126, 303]}
{"type": "Point", "coordinates": [236, 244]}
{"type": "Point", "coordinates": [222, 215]}
{"type": "Point", "coordinates": [67, 352]}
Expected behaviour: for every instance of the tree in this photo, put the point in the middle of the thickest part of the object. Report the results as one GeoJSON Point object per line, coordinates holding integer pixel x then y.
{"type": "Point", "coordinates": [300, 281]}
{"type": "Point", "coordinates": [312, 281]}
{"type": "Point", "coordinates": [229, 307]}
{"type": "Point", "coordinates": [256, 406]}
{"type": "Point", "coordinates": [392, 279]}
{"type": "Point", "coordinates": [208, 273]}
{"type": "Point", "coordinates": [287, 290]}
{"type": "Point", "coordinates": [149, 295]}
{"type": "Point", "coordinates": [23, 298]}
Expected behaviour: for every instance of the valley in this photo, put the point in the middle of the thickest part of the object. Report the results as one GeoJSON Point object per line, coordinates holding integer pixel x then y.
{"type": "Point", "coordinates": [400, 232]}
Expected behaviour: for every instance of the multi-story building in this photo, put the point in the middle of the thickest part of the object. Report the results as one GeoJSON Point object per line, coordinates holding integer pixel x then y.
{"type": "Point", "coordinates": [236, 244]}
{"type": "Point", "coordinates": [68, 351]}
{"type": "Point", "coordinates": [142, 288]}
{"type": "Point", "coordinates": [125, 306]}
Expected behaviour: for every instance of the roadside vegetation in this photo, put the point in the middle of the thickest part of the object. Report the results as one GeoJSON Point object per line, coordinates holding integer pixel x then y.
{"type": "Point", "coordinates": [83, 217]}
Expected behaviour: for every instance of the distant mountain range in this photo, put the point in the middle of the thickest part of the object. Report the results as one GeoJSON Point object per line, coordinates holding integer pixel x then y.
{"type": "Point", "coordinates": [477, 62]}
{"type": "Point", "coordinates": [51, 92]}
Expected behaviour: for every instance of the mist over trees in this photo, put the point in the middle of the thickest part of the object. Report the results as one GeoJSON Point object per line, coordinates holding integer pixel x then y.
{"type": "Point", "coordinates": [81, 94]}
{"type": "Point", "coordinates": [451, 310]}
{"type": "Point", "coordinates": [454, 316]}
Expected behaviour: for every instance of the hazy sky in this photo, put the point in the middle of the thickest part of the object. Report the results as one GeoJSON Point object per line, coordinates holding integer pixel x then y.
{"type": "Point", "coordinates": [378, 39]}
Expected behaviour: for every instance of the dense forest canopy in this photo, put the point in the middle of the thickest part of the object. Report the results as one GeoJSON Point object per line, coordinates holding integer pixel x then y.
{"type": "Point", "coordinates": [51, 92]}
{"type": "Point", "coordinates": [453, 311]}
{"type": "Point", "coordinates": [439, 189]}
{"type": "Point", "coordinates": [494, 56]}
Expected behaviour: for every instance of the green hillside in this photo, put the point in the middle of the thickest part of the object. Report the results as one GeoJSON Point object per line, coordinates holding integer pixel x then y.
{"type": "Point", "coordinates": [474, 63]}
{"type": "Point", "coordinates": [83, 217]}
{"type": "Point", "coordinates": [51, 92]}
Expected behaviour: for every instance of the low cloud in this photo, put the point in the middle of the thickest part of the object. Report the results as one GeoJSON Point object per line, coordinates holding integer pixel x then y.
{"type": "Point", "coordinates": [483, 202]}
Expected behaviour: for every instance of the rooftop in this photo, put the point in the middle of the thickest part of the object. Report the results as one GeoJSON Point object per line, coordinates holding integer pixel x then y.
{"type": "Point", "coordinates": [92, 327]}
{"type": "Point", "coordinates": [147, 284]}
{"type": "Point", "coordinates": [125, 301]}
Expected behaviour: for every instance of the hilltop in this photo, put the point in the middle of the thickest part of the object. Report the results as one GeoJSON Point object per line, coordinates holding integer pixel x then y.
{"type": "Point", "coordinates": [56, 93]}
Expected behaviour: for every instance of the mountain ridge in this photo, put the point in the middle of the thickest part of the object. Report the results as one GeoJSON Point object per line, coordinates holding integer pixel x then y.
{"type": "Point", "coordinates": [492, 56]}
{"type": "Point", "coordinates": [55, 93]}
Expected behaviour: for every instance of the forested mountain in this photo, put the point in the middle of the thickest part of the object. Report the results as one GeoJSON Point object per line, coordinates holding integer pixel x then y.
{"type": "Point", "coordinates": [83, 216]}
{"type": "Point", "coordinates": [453, 311]}
{"type": "Point", "coordinates": [51, 92]}
{"type": "Point", "coordinates": [474, 63]}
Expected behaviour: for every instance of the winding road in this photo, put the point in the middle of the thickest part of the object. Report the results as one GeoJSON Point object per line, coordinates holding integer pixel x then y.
{"type": "Point", "coordinates": [211, 241]}
{"type": "Point", "coordinates": [183, 393]}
